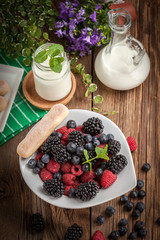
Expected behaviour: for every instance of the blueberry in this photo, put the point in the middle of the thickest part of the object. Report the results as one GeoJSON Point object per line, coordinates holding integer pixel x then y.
{"type": "Point", "coordinates": [132, 235]}
{"type": "Point", "coordinates": [36, 170]}
{"type": "Point", "coordinates": [85, 167]}
{"type": "Point", "coordinates": [71, 124]}
{"type": "Point", "coordinates": [123, 230]}
{"type": "Point", "coordinates": [57, 175]}
{"type": "Point", "coordinates": [98, 172]}
{"type": "Point", "coordinates": [141, 194]}
{"type": "Point", "coordinates": [138, 225]}
{"type": "Point", "coordinates": [136, 213]}
{"type": "Point", "coordinates": [114, 235]}
{"type": "Point", "coordinates": [129, 205]}
{"type": "Point", "coordinates": [94, 138]}
{"type": "Point", "coordinates": [100, 220]}
{"type": "Point", "coordinates": [123, 199]}
{"type": "Point", "coordinates": [103, 138]}
{"type": "Point", "coordinates": [40, 164]}
{"type": "Point", "coordinates": [140, 206]}
{"type": "Point", "coordinates": [71, 147]}
{"type": "Point", "coordinates": [79, 150]}
{"type": "Point", "coordinates": [133, 194]}
{"type": "Point", "coordinates": [75, 159]}
{"type": "Point", "coordinates": [146, 167]}
{"type": "Point", "coordinates": [89, 146]}
{"type": "Point", "coordinates": [45, 158]}
{"type": "Point", "coordinates": [32, 163]}
{"type": "Point", "coordinates": [109, 211]}
{"type": "Point", "coordinates": [103, 165]}
{"type": "Point", "coordinates": [158, 221]}
{"type": "Point", "coordinates": [142, 232]}
{"type": "Point", "coordinates": [110, 136]}
{"type": "Point", "coordinates": [123, 222]}
{"type": "Point", "coordinates": [140, 184]}
{"type": "Point", "coordinates": [58, 134]}
{"type": "Point", "coordinates": [88, 138]}
{"type": "Point", "coordinates": [71, 193]}
{"type": "Point", "coordinates": [96, 142]}
{"type": "Point", "coordinates": [53, 133]}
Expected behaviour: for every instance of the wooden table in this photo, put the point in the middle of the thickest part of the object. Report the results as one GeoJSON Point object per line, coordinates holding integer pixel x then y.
{"type": "Point", "coordinates": [137, 115]}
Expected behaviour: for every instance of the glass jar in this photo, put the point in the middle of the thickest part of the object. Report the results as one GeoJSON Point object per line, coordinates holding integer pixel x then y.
{"type": "Point", "coordinates": [123, 64]}
{"type": "Point", "coordinates": [50, 85]}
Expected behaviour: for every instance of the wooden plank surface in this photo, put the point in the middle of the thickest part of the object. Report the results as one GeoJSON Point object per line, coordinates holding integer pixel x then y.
{"type": "Point", "coordinates": [137, 115]}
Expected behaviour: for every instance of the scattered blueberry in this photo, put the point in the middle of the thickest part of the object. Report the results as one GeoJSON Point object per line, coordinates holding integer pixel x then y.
{"type": "Point", "coordinates": [136, 213]}
{"type": "Point", "coordinates": [45, 158]}
{"type": "Point", "coordinates": [88, 138]}
{"type": "Point", "coordinates": [109, 211]}
{"type": "Point", "coordinates": [140, 184]}
{"type": "Point", "coordinates": [129, 205]}
{"type": "Point", "coordinates": [103, 138]}
{"type": "Point", "coordinates": [71, 193]}
{"type": "Point", "coordinates": [114, 235]}
{"type": "Point", "coordinates": [146, 167]}
{"type": "Point", "coordinates": [32, 163]}
{"type": "Point", "coordinates": [132, 235]}
{"type": "Point", "coordinates": [103, 165]}
{"type": "Point", "coordinates": [100, 220]}
{"type": "Point", "coordinates": [57, 175]}
{"type": "Point", "coordinates": [79, 150]}
{"type": "Point", "coordinates": [71, 124]}
{"type": "Point", "coordinates": [123, 230]}
{"type": "Point", "coordinates": [140, 206]}
{"type": "Point", "coordinates": [58, 134]}
{"type": "Point", "coordinates": [142, 232]}
{"type": "Point", "coordinates": [98, 172]}
{"type": "Point", "coordinates": [36, 170]}
{"type": "Point", "coordinates": [138, 225]}
{"type": "Point", "coordinates": [89, 146]}
{"type": "Point", "coordinates": [123, 222]}
{"type": "Point", "coordinates": [71, 147]}
{"type": "Point", "coordinates": [123, 199]}
{"type": "Point", "coordinates": [110, 136]}
{"type": "Point", "coordinates": [40, 164]}
{"type": "Point", "coordinates": [141, 194]}
{"type": "Point", "coordinates": [85, 167]}
{"type": "Point", "coordinates": [75, 159]}
{"type": "Point", "coordinates": [158, 221]}
{"type": "Point", "coordinates": [133, 194]}
{"type": "Point", "coordinates": [96, 142]}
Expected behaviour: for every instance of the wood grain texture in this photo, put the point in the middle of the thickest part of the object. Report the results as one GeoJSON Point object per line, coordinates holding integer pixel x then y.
{"type": "Point", "coordinates": [137, 114]}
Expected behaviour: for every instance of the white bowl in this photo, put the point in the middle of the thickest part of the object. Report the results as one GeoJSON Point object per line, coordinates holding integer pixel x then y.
{"type": "Point", "coordinates": [126, 180]}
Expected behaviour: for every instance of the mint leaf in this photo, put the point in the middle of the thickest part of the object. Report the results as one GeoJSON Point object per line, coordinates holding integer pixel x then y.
{"type": "Point", "coordinates": [106, 148]}
{"type": "Point", "coordinates": [45, 35]}
{"type": "Point", "coordinates": [86, 154]}
{"type": "Point", "coordinates": [41, 56]}
{"type": "Point", "coordinates": [60, 59]}
{"type": "Point", "coordinates": [55, 53]}
{"type": "Point", "coordinates": [98, 151]}
{"type": "Point", "coordinates": [54, 47]}
{"type": "Point", "coordinates": [55, 65]}
{"type": "Point", "coordinates": [92, 87]}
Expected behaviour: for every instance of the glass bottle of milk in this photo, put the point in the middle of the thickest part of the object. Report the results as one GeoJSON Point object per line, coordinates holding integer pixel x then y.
{"type": "Point", "coordinates": [123, 64]}
{"type": "Point", "coordinates": [50, 85]}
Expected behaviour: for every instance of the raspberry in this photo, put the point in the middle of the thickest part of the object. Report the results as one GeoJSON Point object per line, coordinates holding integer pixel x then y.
{"type": "Point", "coordinates": [102, 145]}
{"type": "Point", "coordinates": [67, 188]}
{"type": "Point", "coordinates": [76, 170]}
{"type": "Point", "coordinates": [66, 167]}
{"type": "Point", "coordinates": [65, 135]}
{"type": "Point", "coordinates": [86, 176]}
{"type": "Point", "coordinates": [79, 128]}
{"type": "Point", "coordinates": [76, 183]}
{"type": "Point", "coordinates": [45, 174]}
{"type": "Point", "coordinates": [108, 178]}
{"type": "Point", "coordinates": [132, 143]}
{"type": "Point", "coordinates": [98, 235]}
{"type": "Point", "coordinates": [68, 178]}
{"type": "Point", "coordinates": [53, 166]}
{"type": "Point", "coordinates": [64, 142]}
{"type": "Point", "coordinates": [62, 130]}
{"type": "Point", "coordinates": [38, 156]}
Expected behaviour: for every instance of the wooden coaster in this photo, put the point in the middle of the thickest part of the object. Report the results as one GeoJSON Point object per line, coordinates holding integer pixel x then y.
{"type": "Point", "coordinates": [32, 96]}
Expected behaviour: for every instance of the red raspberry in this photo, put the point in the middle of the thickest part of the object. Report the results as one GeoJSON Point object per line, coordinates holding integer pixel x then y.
{"type": "Point", "coordinates": [53, 166]}
{"type": "Point", "coordinates": [67, 188]}
{"type": "Point", "coordinates": [68, 178]}
{"type": "Point", "coordinates": [98, 235]}
{"type": "Point", "coordinates": [79, 128]}
{"type": "Point", "coordinates": [132, 143]}
{"type": "Point", "coordinates": [45, 174]}
{"type": "Point", "coordinates": [38, 156]}
{"type": "Point", "coordinates": [86, 176]}
{"type": "Point", "coordinates": [66, 167]}
{"type": "Point", "coordinates": [64, 142]}
{"type": "Point", "coordinates": [62, 130]}
{"type": "Point", "coordinates": [102, 145]}
{"type": "Point", "coordinates": [76, 183]}
{"type": "Point", "coordinates": [76, 170]}
{"type": "Point", "coordinates": [65, 135]}
{"type": "Point", "coordinates": [108, 178]}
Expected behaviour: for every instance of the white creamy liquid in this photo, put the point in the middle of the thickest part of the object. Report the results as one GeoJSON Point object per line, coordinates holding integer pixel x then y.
{"type": "Point", "coordinates": [117, 70]}
{"type": "Point", "coordinates": [50, 85]}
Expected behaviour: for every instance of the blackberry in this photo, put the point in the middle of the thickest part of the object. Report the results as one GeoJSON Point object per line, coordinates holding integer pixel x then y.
{"type": "Point", "coordinates": [74, 232]}
{"type": "Point", "coordinates": [37, 222]}
{"type": "Point", "coordinates": [54, 187]}
{"type": "Point", "coordinates": [91, 155]}
{"type": "Point", "coordinates": [48, 145]}
{"type": "Point", "coordinates": [76, 137]}
{"type": "Point", "coordinates": [60, 154]}
{"type": "Point", "coordinates": [117, 163]}
{"type": "Point", "coordinates": [86, 191]}
{"type": "Point", "coordinates": [113, 147]}
{"type": "Point", "coordinates": [93, 126]}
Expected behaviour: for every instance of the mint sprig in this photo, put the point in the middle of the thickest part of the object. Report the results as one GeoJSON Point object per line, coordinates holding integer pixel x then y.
{"type": "Point", "coordinates": [100, 153]}
{"type": "Point", "coordinates": [53, 52]}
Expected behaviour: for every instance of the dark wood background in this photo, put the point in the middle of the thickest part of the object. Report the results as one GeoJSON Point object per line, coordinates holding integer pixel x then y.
{"type": "Point", "coordinates": [138, 115]}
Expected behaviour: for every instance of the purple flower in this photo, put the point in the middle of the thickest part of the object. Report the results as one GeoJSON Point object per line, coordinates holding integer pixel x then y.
{"type": "Point", "coordinates": [93, 16]}
{"type": "Point", "coordinates": [98, 7]}
{"type": "Point", "coordinates": [59, 33]}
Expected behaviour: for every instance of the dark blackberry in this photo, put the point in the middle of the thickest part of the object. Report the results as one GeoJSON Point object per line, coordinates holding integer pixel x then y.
{"type": "Point", "coordinates": [114, 235]}
{"type": "Point", "coordinates": [93, 126]}
{"type": "Point", "coordinates": [37, 222]}
{"type": "Point", "coordinates": [117, 163]}
{"type": "Point", "coordinates": [54, 187]}
{"type": "Point", "coordinates": [48, 145]}
{"type": "Point", "coordinates": [60, 154]}
{"type": "Point", "coordinates": [86, 191]}
{"type": "Point", "coordinates": [113, 147]}
{"type": "Point", "coordinates": [74, 232]}
{"type": "Point", "coordinates": [76, 137]}
{"type": "Point", "coordinates": [91, 155]}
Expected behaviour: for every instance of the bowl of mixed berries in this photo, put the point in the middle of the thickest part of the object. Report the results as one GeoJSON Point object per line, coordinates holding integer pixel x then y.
{"type": "Point", "coordinates": [86, 161]}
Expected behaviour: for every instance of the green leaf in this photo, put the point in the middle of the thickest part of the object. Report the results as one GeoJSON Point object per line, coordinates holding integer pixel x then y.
{"type": "Point", "coordinates": [55, 65]}
{"type": "Point", "coordinates": [98, 150]}
{"type": "Point", "coordinates": [60, 59]}
{"type": "Point", "coordinates": [98, 99]}
{"type": "Point", "coordinates": [38, 33]}
{"type": "Point", "coordinates": [86, 154]}
{"type": "Point", "coordinates": [45, 35]}
{"type": "Point", "coordinates": [113, 112]}
{"type": "Point", "coordinates": [73, 61]}
{"type": "Point", "coordinates": [78, 68]}
{"type": "Point", "coordinates": [23, 23]}
{"type": "Point", "coordinates": [106, 148]}
{"type": "Point", "coordinates": [87, 93]}
{"type": "Point", "coordinates": [55, 53]}
{"type": "Point", "coordinates": [92, 87]}
{"type": "Point", "coordinates": [51, 12]}
{"type": "Point", "coordinates": [54, 47]}
{"type": "Point", "coordinates": [95, 109]}
{"type": "Point", "coordinates": [87, 78]}
{"type": "Point", "coordinates": [48, 3]}
{"type": "Point", "coordinates": [41, 56]}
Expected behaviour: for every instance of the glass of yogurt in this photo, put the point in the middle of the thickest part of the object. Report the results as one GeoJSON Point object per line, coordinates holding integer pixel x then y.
{"type": "Point", "coordinates": [50, 85]}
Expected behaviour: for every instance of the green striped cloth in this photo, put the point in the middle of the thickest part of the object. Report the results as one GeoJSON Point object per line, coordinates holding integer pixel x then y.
{"type": "Point", "coordinates": [22, 114]}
